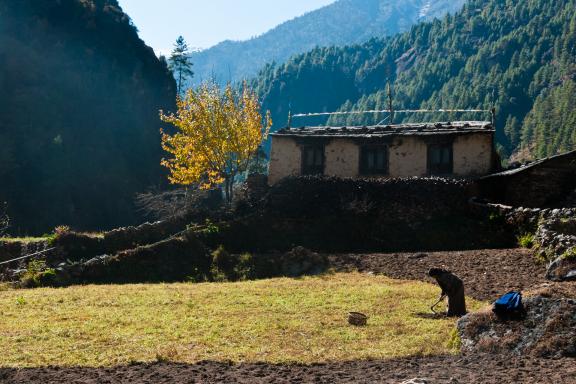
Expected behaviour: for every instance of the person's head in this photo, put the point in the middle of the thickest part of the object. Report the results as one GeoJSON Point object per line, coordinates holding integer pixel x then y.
{"type": "Point", "coordinates": [435, 272]}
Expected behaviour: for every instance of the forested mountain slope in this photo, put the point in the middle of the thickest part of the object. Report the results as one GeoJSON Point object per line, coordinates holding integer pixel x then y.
{"type": "Point", "coordinates": [341, 23]}
{"type": "Point", "coordinates": [79, 126]}
{"type": "Point", "coordinates": [523, 52]}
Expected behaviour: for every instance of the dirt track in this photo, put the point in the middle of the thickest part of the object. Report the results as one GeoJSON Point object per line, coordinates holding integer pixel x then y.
{"type": "Point", "coordinates": [486, 274]}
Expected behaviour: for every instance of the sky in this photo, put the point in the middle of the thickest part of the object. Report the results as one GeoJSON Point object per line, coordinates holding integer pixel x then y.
{"type": "Point", "coordinates": [204, 23]}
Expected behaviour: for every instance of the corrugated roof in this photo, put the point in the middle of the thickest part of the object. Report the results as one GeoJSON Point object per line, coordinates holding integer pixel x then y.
{"type": "Point", "coordinates": [440, 128]}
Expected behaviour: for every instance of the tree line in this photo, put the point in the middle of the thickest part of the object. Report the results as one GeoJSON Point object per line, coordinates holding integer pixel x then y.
{"type": "Point", "coordinates": [80, 131]}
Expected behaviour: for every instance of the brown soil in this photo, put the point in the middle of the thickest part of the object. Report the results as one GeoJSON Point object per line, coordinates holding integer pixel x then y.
{"type": "Point", "coordinates": [439, 369]}
{"type": "Point", "coordinates": [487, 274]}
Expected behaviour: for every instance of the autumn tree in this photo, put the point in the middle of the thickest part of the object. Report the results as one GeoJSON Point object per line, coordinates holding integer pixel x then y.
{"type": "Point", "coordinates": [180, 64]}
{"type": "Point", "coordinates": [217, 134]}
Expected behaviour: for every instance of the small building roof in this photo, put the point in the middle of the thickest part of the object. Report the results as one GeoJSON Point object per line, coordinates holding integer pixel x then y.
{"type": "Point", "coordinates": [420, 129]}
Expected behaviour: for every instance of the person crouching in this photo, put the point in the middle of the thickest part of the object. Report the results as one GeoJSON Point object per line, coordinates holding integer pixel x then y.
{"type": "Point", "coordinates": [452, 287]}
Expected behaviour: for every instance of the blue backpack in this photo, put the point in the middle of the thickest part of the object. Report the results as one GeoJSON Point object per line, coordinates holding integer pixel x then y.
{"type": "Point", "coordinates": [509, 306]}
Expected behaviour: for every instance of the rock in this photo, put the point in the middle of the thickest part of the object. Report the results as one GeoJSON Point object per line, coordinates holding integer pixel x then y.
{"type": "Point", "coordinates": [417, 256]}
{"type": "Point", "coordinates": [549, 330]}
{"type": "Point", "coordinates": [416, 381]}
{"type": "Point", "coordinates": [562, 269]}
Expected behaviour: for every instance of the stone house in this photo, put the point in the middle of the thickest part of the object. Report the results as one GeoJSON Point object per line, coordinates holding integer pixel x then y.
{"type": "Point", "coordinates": [457, 149]}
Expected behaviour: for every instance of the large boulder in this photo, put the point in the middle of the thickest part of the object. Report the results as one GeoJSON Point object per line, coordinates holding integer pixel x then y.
{"type": "Point", "coordinates": [563, 268]}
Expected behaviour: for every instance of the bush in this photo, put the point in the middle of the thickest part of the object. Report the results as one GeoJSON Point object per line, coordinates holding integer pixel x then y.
{"type": "Point", "coordinates": [229, 267]}
{"type": "Point", "coordinates": [569, 254]}
{"type": "Point", "coordinates": [37, 274]}
{"type": "Point", "coordinates": [526, 240]}
{"type": "Point", "coordinates": [223, 264]}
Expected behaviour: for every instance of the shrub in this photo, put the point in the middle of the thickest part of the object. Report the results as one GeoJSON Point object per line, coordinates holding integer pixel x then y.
{"type": "Point", "coordinates": [230, 267]}
{"type": "Point", "coordinates": [37, 274]}
{"type": "Point", "coordinates": [569, 254]}
{"type": "Point", "coordinates": [61, 230]}
{"type": "Point", "coordinates": [245, 268]}
{"type": "Point", "coordinates": [223, 264]}
{"type": "Point", "coordinates": [526, 240]}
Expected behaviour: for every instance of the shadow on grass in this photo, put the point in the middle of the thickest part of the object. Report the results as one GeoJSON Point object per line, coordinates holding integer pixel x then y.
{"type": "Point", "coordinates": [430, 315]}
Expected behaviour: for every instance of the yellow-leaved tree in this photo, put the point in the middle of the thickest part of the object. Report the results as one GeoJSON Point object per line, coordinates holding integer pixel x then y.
{"type": "Point", "coordinates": [217, 134]}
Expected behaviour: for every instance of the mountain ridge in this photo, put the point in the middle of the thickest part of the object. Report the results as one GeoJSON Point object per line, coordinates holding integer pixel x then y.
{"type": "Point", "coordinates": [341, 23]}
{"type": "Point", "coordinates": [495, 51]}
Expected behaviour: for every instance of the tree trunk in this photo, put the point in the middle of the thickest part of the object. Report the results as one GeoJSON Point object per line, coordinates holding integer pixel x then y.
{"type": "Point", "coordinates": [229, 189]}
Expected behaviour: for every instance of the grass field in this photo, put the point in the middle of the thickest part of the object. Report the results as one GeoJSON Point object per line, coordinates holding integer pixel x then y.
{"type": "Point", "coordinates": [278, 320]}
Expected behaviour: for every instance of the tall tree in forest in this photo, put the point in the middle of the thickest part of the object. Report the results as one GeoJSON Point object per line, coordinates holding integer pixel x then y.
{"type": "Point", "coordinates": [218, 133]}
{"type": "Point", "coordinates": [180, 63]}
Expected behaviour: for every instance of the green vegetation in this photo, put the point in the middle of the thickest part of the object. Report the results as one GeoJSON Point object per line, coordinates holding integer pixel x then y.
{"type": "Point", "coordinates": [37, 274]}
{"type": "Point", "coordinates": [228, 267]}
{"type": "Point", "coordinates": [526, 240]}
{"type": "Point", "coordinates": [79, 106]}
{"type": "Point", "coordinates": [522, 52]}
{"type": "Point", "coordinates": [342, 23]}
{"type": "Point", "coordinates": [569, 254]}
{"type": "Point", "coordinates": [279, 320]}
{"type": "Point", "coordinates": [23, 239]}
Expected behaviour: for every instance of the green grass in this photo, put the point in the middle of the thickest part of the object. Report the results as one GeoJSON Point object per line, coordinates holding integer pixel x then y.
{"type": "Point", "coordinates": [47, 237]}
{"type": "Point", "coordinates": [526, 240]}
{"type": "Point", "coordinates": [277, 320]}
{"type": "Point", "coordinates": [23, 239]}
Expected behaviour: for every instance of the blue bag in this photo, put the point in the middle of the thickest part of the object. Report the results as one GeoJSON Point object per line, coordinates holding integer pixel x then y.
{"type": "Point", "coordinates": [509, 306]}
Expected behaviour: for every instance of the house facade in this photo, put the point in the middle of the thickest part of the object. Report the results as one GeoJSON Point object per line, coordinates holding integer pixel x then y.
{"type": "Point", "coordinates": [456, 149]}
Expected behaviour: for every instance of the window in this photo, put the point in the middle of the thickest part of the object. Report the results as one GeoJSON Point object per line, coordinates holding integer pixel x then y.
{"type": "Point", "coordinates": [374, 160]}
{"type": "Point", "coordinates": [440, 159]}
{"type": "Point", "coordinates": [313, 160]}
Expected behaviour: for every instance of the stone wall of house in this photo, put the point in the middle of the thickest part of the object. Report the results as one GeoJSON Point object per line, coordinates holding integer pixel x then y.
{"type": "Point", "coordinates": [285, 159]}
{"type": "Point", "coordinates": [342, 158]}
{"type": "Point", "coordinates": [473, 155]}
{"type": "Point", "coordinates": [408, 156]}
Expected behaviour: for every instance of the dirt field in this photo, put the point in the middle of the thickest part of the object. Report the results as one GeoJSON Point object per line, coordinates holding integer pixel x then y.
{"type": "Point", "coordinates": [486, 274]}
{"type": "Point", "coordinates": [437, 370]}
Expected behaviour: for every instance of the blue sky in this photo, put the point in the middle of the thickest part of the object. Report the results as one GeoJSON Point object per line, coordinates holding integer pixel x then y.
{"type": "Point", "coordinates": [204, 23]}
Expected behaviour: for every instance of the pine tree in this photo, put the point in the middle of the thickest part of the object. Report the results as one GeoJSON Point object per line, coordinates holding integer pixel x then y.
{"type": "Point", "coordinates": [180, 64]}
